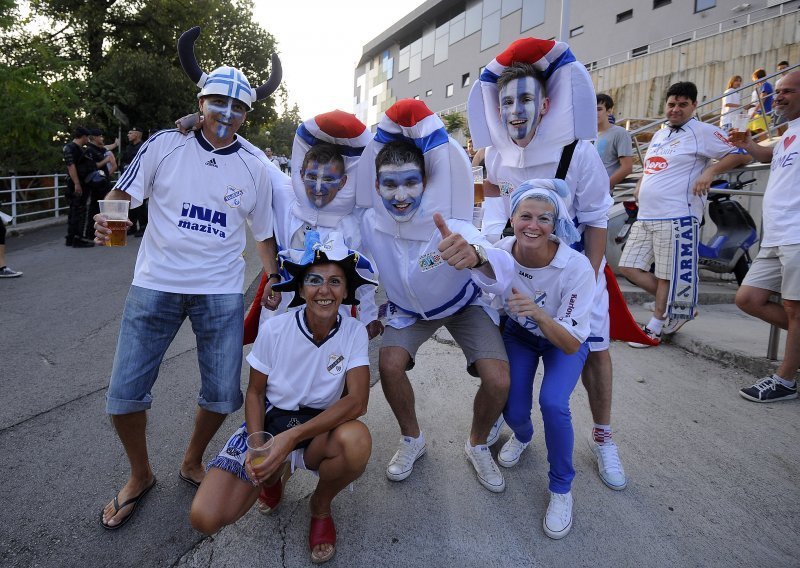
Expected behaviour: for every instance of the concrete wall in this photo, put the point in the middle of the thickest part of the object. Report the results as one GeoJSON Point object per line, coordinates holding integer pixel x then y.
{"type": "Point", "coordinates": [638, 86]}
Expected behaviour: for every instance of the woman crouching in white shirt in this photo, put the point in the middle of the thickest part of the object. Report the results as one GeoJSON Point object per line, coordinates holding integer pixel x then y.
{"type": "Point", "coordinates": [549, 303]}
{"type": "Point", "coordinates": [309, 370]}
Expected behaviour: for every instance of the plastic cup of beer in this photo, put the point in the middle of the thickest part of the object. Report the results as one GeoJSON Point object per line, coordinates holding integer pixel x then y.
{"type": "Point", "coordinates": [477, 180]}
{"type": "Point", "coordinates": [259, 445]}
{"type": "Point", "coordinates": [739, 125]}
{"type": "Point", "coordinates": [116, 213]}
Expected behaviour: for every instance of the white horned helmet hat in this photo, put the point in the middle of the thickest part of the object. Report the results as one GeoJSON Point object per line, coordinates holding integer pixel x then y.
{"type": "Point", "coordinates": [225, 80]}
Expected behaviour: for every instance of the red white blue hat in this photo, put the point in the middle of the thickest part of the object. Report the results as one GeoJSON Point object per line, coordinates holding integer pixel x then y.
{"type": "Point", "coordinates": [572, 114]}
{"type": "Point", "coordinates": [448, 173]}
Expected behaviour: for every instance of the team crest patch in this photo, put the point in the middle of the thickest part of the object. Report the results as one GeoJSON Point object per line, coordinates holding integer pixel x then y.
{"type": "Point", "coordinates": [336, 364]}
{"type": "Point", "coordinates": [539, 298]}
{"type": "Point", "coordinates": [506, 187]}
{"type": "Point", "coordinates": [233, 196]}
{"type": "Point", "coordinates": [430, 260]}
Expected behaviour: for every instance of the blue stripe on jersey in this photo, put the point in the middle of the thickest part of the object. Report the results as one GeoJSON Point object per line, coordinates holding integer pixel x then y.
{"type": "Point", "coordinates": [425, 144]}
{"type": "Point", "coordinates": [129, 174]}
{"type": "Point", "coordinates": [476, 292]}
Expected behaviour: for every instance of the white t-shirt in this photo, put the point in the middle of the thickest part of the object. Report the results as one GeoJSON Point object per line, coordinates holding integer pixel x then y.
{"type": "Point", "coordinates": [564, 289]}
{"type": "Point", "coordinates": [726, 114]}
{"type": "Point", "coordinates": [587, 179]}
{"type": "Point", "coordinates": [781, 208]}
{"type": "Point", "coordinates": [674, 161]}
{"type": "Point", "coordinates": [300, 372]}
{"type": "Point", "coordinates": [419, 283]}
{"type": "Point", "coordinates": [200, 199]}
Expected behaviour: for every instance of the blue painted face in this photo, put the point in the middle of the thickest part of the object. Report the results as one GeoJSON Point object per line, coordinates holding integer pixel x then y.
{"type": "Point", "coordinates": [322, 182]}
{"type": "Point", "coordinates": [400, 188]}
{"type": "Point", "coordinates": [521, 107]}
{"type": "Point", "coordinates": [224, 114]}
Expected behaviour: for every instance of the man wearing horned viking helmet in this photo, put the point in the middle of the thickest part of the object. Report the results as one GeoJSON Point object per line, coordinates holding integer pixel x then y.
{"type": "Point", "coordinates": [203, 190]}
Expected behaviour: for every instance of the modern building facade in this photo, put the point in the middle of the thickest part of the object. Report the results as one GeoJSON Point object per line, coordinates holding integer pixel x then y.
{"type": "Point", "coordinates": [437, 51]}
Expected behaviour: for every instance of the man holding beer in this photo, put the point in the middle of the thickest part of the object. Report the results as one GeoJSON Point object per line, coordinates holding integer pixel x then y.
{"type": "Point", "coordinates": [203, 190]}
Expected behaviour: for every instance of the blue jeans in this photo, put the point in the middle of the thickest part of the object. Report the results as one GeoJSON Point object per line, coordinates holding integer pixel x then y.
{"type": "Point", "coordinates": [151, 320]}
{"type": "Point", "coordinates": [561, 372]}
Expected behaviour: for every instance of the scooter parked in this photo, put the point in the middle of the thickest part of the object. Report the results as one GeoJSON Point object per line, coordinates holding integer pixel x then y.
{"type": "Point", "coordinates": [728, 250]}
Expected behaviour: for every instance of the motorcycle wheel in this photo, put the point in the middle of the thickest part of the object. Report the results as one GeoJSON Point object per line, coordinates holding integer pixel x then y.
{"type": "Point", "coordinates": [740, 270]}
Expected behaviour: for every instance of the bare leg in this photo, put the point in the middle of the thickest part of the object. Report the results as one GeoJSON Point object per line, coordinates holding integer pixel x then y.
{"type": "Point", "coordinates": [340, 457]}
{"type": "Point", "coordinates": [131, 431]}
{"type": "Point", "coordinates": [662, 291]}
{"type": "Point", "coordinates": [490, 398]}
{"type": "Point", "coordinates": [791, 355]}
{"type": "Point", "coordinates": [222, 499]}
{"type": "Point", "coordinates": [206, 424]}
{"type": "Point", "coordinates": [397, 388]}
{"type": "Point", "coordinates": [756, 302]}
{"type": "Point", "coordinates": [644, 280]}
{"type": "Point", "coordinates": [597, 379]}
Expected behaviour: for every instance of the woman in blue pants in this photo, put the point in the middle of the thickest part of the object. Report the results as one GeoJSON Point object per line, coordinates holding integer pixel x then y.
{"type": "Point", "coordinates": [548, 304]}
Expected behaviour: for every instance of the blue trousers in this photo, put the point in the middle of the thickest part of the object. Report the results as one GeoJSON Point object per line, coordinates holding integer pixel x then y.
{"type": "Point", "coordinates": [561, 372]}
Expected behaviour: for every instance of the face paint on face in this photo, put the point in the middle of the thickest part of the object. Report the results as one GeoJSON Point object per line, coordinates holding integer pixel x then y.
{"type": "Point", "coordinates": [401, 188]}
{"type": "Point", "coordinates": [227, 114]}
{"type": "Point", "coordinates": [322, 182]}
{"type": "Point", "coordinates": [520, 108]}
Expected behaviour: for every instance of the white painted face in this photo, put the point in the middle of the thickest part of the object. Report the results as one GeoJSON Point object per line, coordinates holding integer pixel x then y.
{"type": "Point", "coordinates": [521, 107]}
{"type": "Point", "coordinates": [401, 188]}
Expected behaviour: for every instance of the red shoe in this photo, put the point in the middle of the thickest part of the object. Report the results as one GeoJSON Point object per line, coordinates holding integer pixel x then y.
{"type": "Point", "coordinates": [270, 497]}
{"type": "Point", "coordinates": [322, 531]}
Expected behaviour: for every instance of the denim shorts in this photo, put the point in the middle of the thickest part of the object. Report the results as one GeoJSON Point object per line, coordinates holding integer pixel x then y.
{"type": "Point", "coordinates": [151, 320]}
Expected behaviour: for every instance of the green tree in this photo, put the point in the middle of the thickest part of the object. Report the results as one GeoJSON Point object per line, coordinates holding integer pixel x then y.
{"type": "Point", "coordinates": [453, 122]}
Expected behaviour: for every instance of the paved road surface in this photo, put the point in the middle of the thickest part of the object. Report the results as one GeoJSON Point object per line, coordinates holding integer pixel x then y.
{"type": "Point", "coordinates": [713, 478]}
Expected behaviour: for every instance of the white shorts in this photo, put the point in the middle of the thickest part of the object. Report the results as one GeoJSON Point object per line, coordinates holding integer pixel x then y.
{"type": "Point", "coordinates": [776, 269]}
{"type": "Point", "coordinates": [648, 242]}
{"type": "Point", "coordinates": [600, 324]}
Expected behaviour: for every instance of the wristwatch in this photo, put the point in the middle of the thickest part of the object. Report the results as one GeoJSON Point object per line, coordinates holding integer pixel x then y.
{"type": "Point", "coordinates": [482, 258]}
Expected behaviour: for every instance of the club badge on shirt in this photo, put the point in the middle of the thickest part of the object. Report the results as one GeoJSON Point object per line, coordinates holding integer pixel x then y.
{"type": "Point", "coordinates": [336, 364]}
{"type": "Point", "coordinates": [430, 260]}
{"type": "Point", "coordinates": [233, 196]}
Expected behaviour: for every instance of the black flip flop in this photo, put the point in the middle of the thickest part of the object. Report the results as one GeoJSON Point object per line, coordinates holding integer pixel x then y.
{"type": "Point", "coordinates": [134, 501]}
{"type": "Point", "coordinates": [188, 480]}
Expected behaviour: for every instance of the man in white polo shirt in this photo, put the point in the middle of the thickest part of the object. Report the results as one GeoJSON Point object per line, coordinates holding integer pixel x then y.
{"type": "Point", "coordinates": [678, 172]}
{"type": "Point", "coordinates": [203, 190]}
{"type": "Point", "coordinates": [776, 269]}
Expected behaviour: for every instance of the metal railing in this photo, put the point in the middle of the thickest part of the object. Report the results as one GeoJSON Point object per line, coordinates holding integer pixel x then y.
{"type": "Point", "coordinates": [36, 201]}
{"type": "Point", "coordinates": [703, 32]}
{"type": "Point", "coordinates": [714, 112]}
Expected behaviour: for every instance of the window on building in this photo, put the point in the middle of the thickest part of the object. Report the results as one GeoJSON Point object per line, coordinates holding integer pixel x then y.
{"type": "Point", "coordinates": [440, 51]}
{"type": "Point", "coordinates": [416, 97]}
{"type": "Point", "coordinates": [626, 15]}
{"type": "Point", "coordinates": [448, 90]}
{"type": "Point", "coordinates": [700, 5]}
{"type": "Point", "coordinates": [510, 6]}
{"type": "Point", "coordinates": [532, 14]}
{"type": "Point", "coordinates": [473, 17]}
{"type": "Point", "coordinates": [457, 28]}
{"type": "Point", "coordinates": [660, 3]}
{"type": "Point", "coordinates": [490, 25]}
{"type": "Point", "coordinates": [374, 100]}
{"type": "Point", "coordinates": [576, 31]}
{"type": "Point", "coordinates": [639, 51]}
{"type": "Point", "coordinates": [465, 80]}
{"type": "Point", "coordinates": [591, 66]}
{"type": "Point", "coordinates": [429, 93]}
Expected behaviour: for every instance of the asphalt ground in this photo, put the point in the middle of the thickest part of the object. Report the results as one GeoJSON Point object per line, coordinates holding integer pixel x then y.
{"type": "Point", "coordinates": [712, 477]}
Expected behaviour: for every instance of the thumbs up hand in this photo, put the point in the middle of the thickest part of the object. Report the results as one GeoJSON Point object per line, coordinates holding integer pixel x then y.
{"type": "Point", "coordinates": [454, 248]}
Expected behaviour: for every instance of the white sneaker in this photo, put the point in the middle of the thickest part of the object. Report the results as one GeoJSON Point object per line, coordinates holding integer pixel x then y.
{"type": "Point", "coordinates": [608, 465]}
{"type": "Point", "coordinates": [648, 333]}
{"type": "Point", "coordinates": [672, 324]}
{"type": "Point", "coordinates": [558, 518]}
{"type": "Point", "coordinates": [402, 463]}
{"type": "Point", "coordinates": [494, 433]}
{"type": "Point", "coordinates": [511, 451]}
{"type": "Point", "coordinates": [488, 473]}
